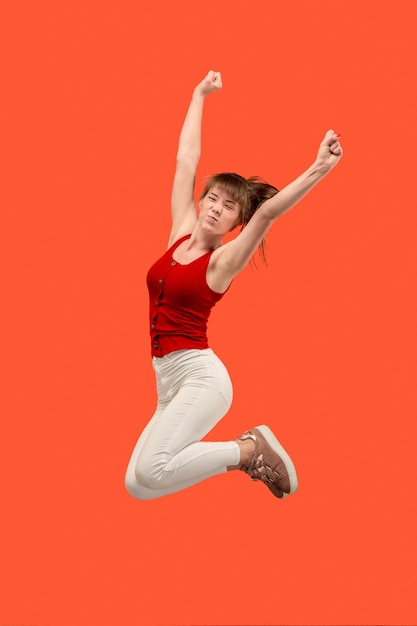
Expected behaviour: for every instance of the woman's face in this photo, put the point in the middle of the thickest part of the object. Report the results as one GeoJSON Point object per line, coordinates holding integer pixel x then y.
{"type": "Point", "coordinates": [219, 212]}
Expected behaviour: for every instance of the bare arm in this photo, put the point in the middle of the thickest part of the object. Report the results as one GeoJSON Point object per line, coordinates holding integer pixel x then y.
{"type": "Point", "coordinates": [233, 256]}
{"type": "Point", "coordinates": [328, 156]}
{"type": "Point", "coordinates": [183, 210]}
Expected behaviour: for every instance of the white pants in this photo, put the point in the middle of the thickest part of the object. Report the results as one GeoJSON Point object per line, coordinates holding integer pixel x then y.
{"type": "Point", "coordinates": [194, 393]}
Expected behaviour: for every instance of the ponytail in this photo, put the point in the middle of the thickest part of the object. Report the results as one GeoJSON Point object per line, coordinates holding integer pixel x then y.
{"type": "Point", "coordinates": [260, 191]}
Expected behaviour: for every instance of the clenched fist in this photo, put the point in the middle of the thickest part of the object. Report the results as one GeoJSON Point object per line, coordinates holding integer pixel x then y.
{"type": "Point", "coordinates": [212, 82]}
{"type": "Point", "coordinates": [330, 151]}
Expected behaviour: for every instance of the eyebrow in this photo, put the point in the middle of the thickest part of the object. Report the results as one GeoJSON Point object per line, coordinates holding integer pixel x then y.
{"type": "Point", "coordinates": [212, 193]}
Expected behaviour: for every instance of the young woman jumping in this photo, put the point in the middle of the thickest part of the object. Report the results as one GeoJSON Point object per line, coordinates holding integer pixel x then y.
{"type": "Point", "coordinates": [193, 386]}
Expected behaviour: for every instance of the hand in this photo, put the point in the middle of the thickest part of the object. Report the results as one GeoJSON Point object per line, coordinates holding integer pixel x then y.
{"type": "Point", "coordinates": [330, 151]}
{"type": "Point", "coordinates": [211, 83]}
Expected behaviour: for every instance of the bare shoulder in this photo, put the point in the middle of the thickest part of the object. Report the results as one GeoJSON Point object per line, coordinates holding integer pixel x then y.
{"type": "Point", "coordinates": [219, 274]}
{"type": "Point", "coordinates": [231, 258]}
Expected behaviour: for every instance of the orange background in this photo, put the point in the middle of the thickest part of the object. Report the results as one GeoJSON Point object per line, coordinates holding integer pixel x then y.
{"type": "Point", "coordinates": [321, 345]}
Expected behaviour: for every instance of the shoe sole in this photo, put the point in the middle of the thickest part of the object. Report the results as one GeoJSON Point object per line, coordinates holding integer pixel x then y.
{"type": "Point", "coordinates": [277, 447]}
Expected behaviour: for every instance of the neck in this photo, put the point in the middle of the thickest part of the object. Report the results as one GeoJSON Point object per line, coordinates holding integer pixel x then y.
{"type": "Point", "coordinates": [204, 241]}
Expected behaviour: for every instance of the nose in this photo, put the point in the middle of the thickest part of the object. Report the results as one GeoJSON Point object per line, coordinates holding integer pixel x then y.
{"type": "Point", "coordinates": [215, 209]}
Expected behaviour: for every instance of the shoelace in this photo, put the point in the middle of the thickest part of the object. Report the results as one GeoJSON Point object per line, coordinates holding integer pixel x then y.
{"type": "Point", "coordinates": [258, 470]}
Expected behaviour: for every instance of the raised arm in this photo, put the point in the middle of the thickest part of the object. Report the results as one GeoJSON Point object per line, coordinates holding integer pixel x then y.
{"type": "Point", "coordinates": [183, 210]}
{"type": "Point", "coordinates": [328, 156]}
{"type": "Point", "coordinates": [234, 255]}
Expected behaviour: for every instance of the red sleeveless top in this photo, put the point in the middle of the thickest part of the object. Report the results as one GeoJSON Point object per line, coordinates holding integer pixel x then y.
{"type": "Point", "coordinates": [180, 303]}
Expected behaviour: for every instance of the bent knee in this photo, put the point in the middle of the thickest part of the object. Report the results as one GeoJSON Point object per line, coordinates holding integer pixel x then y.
{"type": "Point", "coordinates": [149, 476]}
{"type": "Point", "coordinates": [137, 481]}
{"type": "Point", "coordinates": [137, 491]}
{"type": "Point", "coordinates": [131, 484]}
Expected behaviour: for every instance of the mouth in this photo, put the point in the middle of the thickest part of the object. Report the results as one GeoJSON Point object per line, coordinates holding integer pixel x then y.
{"type": "Point", "coordinates": [211, 218]}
